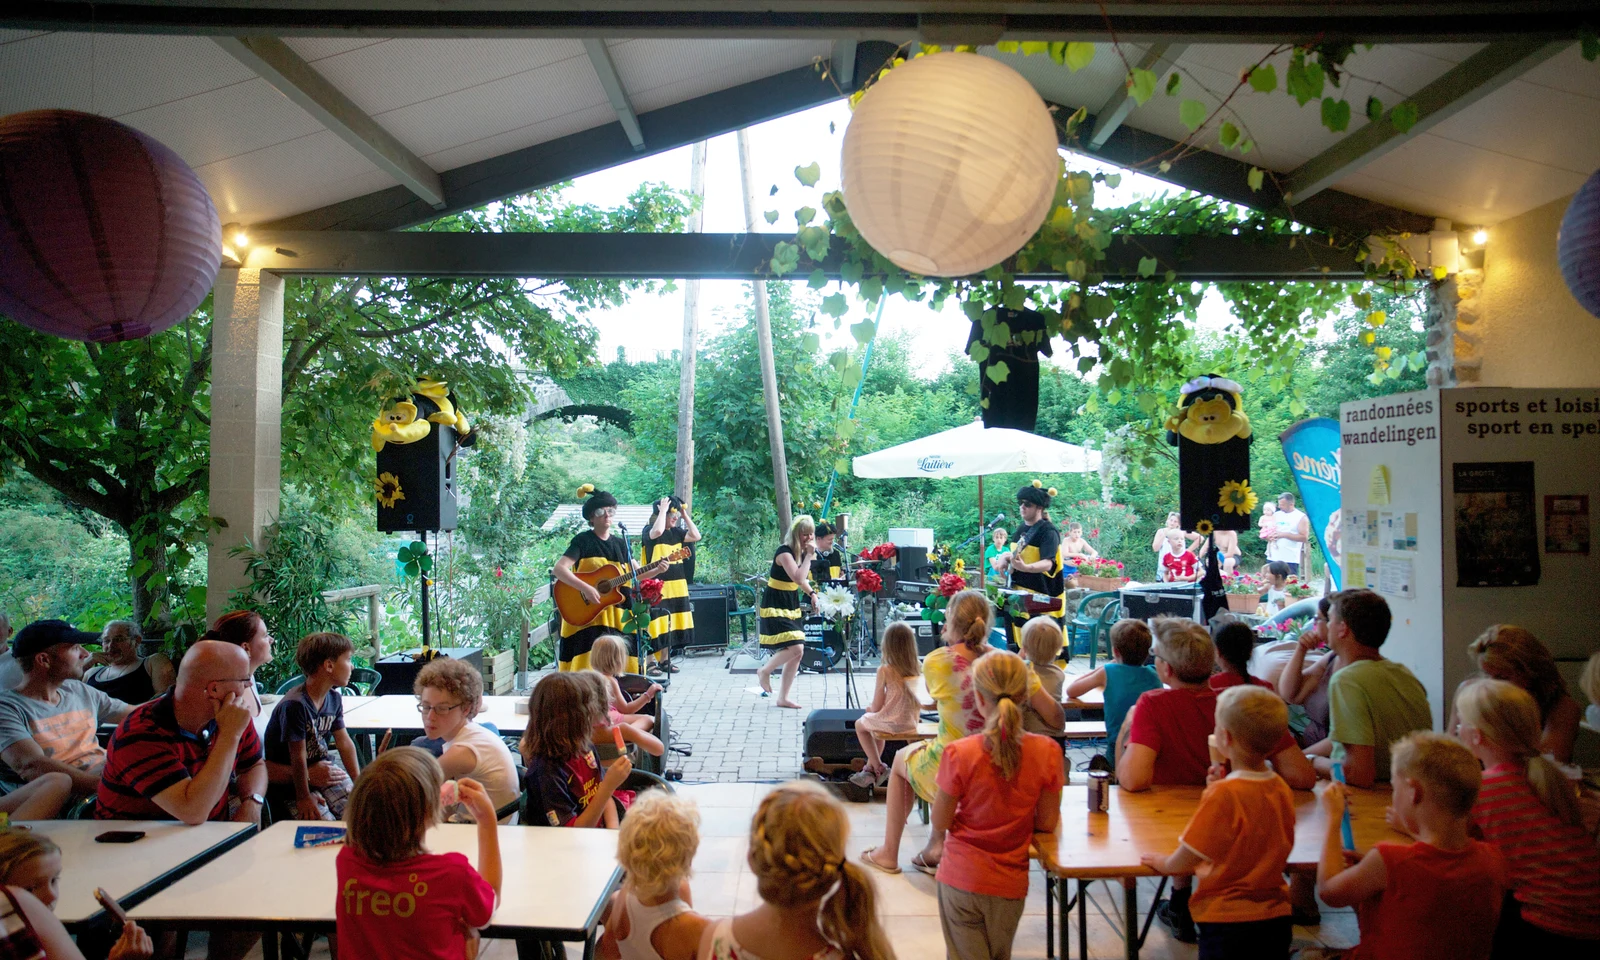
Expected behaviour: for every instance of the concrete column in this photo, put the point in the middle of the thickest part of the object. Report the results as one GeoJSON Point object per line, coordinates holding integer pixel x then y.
{"type": "Point", "coordinates": [246, 428]}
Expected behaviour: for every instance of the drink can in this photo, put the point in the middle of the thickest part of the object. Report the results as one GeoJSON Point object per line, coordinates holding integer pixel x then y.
{"type": "Point", "coordinates": [1099, 791]}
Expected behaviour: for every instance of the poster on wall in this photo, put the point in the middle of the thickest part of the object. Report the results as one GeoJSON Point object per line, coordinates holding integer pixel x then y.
{"type": "Point", "coordinates": [1312, 449]}
{"type": "Point", "coordinates": [1497, 526]}
{"type": "Point", "coordinates": [1566, 523]}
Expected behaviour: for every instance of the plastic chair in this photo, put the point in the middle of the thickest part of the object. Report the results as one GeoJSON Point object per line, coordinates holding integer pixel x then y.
{"type": "Point", "coordinates": [290, 684]}
{"type": "Point", "coordinates": [365, 680]}
{"type": "Point", "coordinates": [744, 611]}
{"type": "Point", "coordinates": [1085, 624]}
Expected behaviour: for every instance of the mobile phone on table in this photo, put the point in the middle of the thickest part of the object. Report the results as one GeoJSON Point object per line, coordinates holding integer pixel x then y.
{"type": "Point", "coordinates": [112, 906]}
{"type": "Point", "coordinates": [120, 836]}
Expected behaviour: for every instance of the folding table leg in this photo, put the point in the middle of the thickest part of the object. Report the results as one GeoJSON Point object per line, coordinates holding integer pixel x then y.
{"type": "Point", "coordinates": [269, 945]}
{"type": "Point", "coordinates": [1083, 920]}
{"type": "Point", "coordinates": [1050, 916]}
{"type": "Point", "coordinates": [1130, 901]}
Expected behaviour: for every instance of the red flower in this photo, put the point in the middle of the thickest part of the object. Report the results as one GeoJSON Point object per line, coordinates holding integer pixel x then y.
{"type": "Point", "coordinates": [885, 551]}
{"type": "Point", "coordinates": [868, 581]}
{"type": "Point", "coordinates": [950, 585]}
{"type": "Point", "coordinates": [499, 572]}
{"type": "Point", "coordinates": [1095, 532]}
{"type": "Point", "coordinates": [650, 590]}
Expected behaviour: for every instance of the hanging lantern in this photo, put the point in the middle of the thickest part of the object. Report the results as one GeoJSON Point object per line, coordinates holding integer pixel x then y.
{"type": "Point", "coordinates": [1578, 245]}
{"type": "Point", "coordinates": [107, 234]}
{"type": "Point", "coordinates": [950, 164]}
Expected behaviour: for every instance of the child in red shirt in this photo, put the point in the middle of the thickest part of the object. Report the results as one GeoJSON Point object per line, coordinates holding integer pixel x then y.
{"type": "Point", "coordinates": [1528, 809]}
{"type": "Point", "coordinates": [1240, 837]}
{"type": "Point", "coordinates": [1438, 897]}
{"type": "Point", "coordinates": [397, 900]}
{"type": "Point", "coordinates": [995, 791]}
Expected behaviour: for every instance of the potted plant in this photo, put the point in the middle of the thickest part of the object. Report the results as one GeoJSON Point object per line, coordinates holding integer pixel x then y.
{"type": "Point", "coordinates": [1296, 589]}
{"type": "Point", "coordinates": [1244, 593]}
{"type": "Point", "coordinates": [1100, 574]}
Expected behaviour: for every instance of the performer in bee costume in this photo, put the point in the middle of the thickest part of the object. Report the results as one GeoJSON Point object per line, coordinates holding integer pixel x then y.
{"type": "Point", "coordinates": [1035, 564]}
{"type": "Point", "coordinates": [781, 614]}
{"type": "Point", "coordinates": [588, 551]}
{"type": "Point", "coordinates": [672, 621]}
{"type": "Point", "coordinates": [1212, 435]}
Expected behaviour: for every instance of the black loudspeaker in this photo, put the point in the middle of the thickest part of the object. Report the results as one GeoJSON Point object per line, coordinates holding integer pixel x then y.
{"type": "Point", "coordinates": [824, 647]}
{"type": "Point", "coordinates": [711, 605]}
{"type": "Point", "coordinates": [425, 498]}
{"type": "Point", "coordinates": [830, 735]}
{"type": "Point", "coordinates": [927, 636]}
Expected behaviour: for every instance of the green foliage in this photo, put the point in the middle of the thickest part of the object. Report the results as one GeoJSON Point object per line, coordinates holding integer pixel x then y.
{"type": "Point", "coordinates": [57, 562]}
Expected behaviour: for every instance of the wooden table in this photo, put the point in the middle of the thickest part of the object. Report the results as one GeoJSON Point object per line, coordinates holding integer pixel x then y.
{"type": "Point", "coordinates": [130, 872]}
{"type": "Point", "coordinates": [1093, 700]}
{"type": "Point", "coordinates": [398, 712]}
{"type": "Point", "coordinates": [554, 886]}
{"type": "Point", "coordinates": [1105, 846]}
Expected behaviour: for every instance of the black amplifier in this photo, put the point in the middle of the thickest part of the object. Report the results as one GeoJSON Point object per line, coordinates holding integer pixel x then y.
{"type": "Point", "coordinates": [1162, 599]}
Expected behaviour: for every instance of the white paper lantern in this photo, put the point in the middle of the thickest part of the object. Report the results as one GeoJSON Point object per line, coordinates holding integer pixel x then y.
{"type": "Point", "coordinates": [950, 164]}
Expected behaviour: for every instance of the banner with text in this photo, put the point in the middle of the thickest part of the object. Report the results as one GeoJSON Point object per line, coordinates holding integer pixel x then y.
{"type": "Point", "coordinates": [1312, 449]}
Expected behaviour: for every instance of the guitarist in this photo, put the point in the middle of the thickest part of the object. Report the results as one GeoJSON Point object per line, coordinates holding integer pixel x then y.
{"type": "Point", "coordinates": [670, 527]}
{"type": "Point", "coordinates": [591, 550]}
{"type": "Point", "coordinates": [1035, 561]}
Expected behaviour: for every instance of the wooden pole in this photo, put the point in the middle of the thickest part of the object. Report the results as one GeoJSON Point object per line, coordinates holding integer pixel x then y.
{"type": "Point", "coordinates": [769, 373]}
{"type": "Point", "coordinates": [683, 475]}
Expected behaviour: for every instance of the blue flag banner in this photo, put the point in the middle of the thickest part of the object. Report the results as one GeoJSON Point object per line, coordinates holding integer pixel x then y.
{"type": "Point", "coordinates": [1312, 449]}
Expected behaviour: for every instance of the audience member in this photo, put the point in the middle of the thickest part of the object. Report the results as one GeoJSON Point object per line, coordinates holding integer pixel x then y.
{"type": "Point", "coordinates": [1074, 547]}
{"type": "Point", "coordinates": [1437, 897]}
{"type": "Point", "coordinates": [1244, 830]}
{"type": "Point", "coordinates": [994, 552]}
{"type": "Point", "coordinates": [563, 780]}
{"type": "Point", "coordinates": [1372, 702]}
{"type": "Point", "coordinates": [969, 618]}
{"type": "Point", "coordinates": [1308, 686]}
{"type": "Point", "coordinates": [1277, 596]}
{"type": "Point", "coordinates": [609, 657]}
{"type": "Point", "coordinates": [48, 724]}
{"type": "Point", "coordinates": [1529, 810]}
{"type": "Point", "coordinates": [1041, 645]}
{"type": "Point", "coordinates": [1169, 539]}
{"type": "Point", "coordinates": [1235, 641]}
{"type": "Point", "coordinates": [652, 917]}
{"type": "Point", "coordinates": [605, 731]}
{"type": "Point", "coordinates": [1124, 679]}
{"type": "Point", "coordinates": [121, 673]}
{"type": "Point", "coordinates": [1589, 683]}
{"type": "Point", "coordinates": [397, 900]}
{"type": "Point", "coordinates": [449, 696]}
{"type": "Point", "coordinates": [815, 903]}
{"type": "Point", "coordinates": [191, 754]}
{"type": "Point", "coordinates": [31, 861]}
{"type": "Point", "coordinates": [995, 791]}
{"type": "Point", "coordinates": [1287, 534]}
{"type": "Point", "coordinates": [301, 725]}
{"type": "Point", "coordinates": [894, 708]}
{"type": "Point", "coordinates": [245, 629]}
{"type": "Point", "coordinates": [1512, 654]}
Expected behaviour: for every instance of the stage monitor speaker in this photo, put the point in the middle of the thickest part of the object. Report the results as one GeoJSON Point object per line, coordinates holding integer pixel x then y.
{"type": "Point", "coordinates": [927, 636]}
{"type": "Point", "coordinates": [710, 605]}
{"type": "Point", "coordinates": [425, 498]}
{"type": "Point", "coordinates": [830, 735]}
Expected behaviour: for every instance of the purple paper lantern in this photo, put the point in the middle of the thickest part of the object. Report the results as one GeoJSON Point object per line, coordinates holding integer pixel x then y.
{"type": "Point", "coordinates": [105, 234]}
{"type": "Point", "coordinates": [1578, 245]}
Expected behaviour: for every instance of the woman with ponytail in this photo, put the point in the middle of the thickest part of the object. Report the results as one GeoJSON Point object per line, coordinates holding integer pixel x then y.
{"type": "Point", "coordinates": [815, 903]}
{"type": "Point", "coordinates": [995, 792]}
{"type": "Point", "coordinates": [1529, 810]}
{"type": "Point", "coordinates": [948, 672]}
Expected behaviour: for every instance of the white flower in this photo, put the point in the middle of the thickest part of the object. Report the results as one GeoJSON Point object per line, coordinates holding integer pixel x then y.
{"type": "Point", "coordinates": [835, 602]}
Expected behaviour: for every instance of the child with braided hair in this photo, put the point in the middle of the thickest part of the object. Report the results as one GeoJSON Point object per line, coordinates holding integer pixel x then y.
{"type": "Point", "coordinates": [995, 791]}
{"type": "Point", "coordinates": [815, 903]}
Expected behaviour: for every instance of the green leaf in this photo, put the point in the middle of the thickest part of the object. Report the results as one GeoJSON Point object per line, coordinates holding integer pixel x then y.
{"type": "Point", "coordinates": [1171, 275]}
{"type": "Point", "coordinates": [815, 240]}
{"type": "Point", "coordinates": [1264, 79]}
{"type": "Point", "coordinates": [997, 371]}
{"type": "Point", "coordinates": [850, 271]}
{"type": "Point", "coordinates": [1113, 180]}
{"type": "Point", "coordinates": [1079, 55]}
{"type": "Point", "coordinates": [810, 342]}
{"type": "Point", "coordinates": [1256, 178]}
{"type": "Point", "coordinates": [1404, 116]}
{"type": "Point", "coordinates": [1173, 83]}
{"type": "Point", "coordinates": [1034, 48]}
{"type": "Point", "coordinates": [1013, 298]}
{"type": "Point", "coordinates": [805, 215]}
{"type": "Point", "coordinates": [1304, 79]}
{"type": "Point", "coordinates": [425, 563]}
{"type": "Point", "coordinates": [1141, 85]}
{"type": "Point", "coordinates": [1193, 114]}
{"type": "Point", "coordinates": [1589, 42]}
{"type": "Point", "coordinates": [863, 331]}
{"type": "Point", "coordinates": [871, 289]}
{"type": "Point", "coordinates": [1296, 408]}
{"type": "Point", "coordinates": [835, 305]}
{"type": "Point", "coordinates": [771, 216]}
{"type": "Point", "coordinates": [785, 257]}
{"type": "Point", "coordinates": [1246, 145]}
{"type": "Point", "coordinates": [979, 352]}
{"type": "Point", "coordinates": [810, 174]}
{"type": "Point", "coordinates": [1229, 135]}
{"type": "Point", "coordinates": [1374, 109]}
{"type": "Point", "coordinates": [846, 429]}
{"type": "Point", "coordinates": [817, 280]}
{"type": "Point", "coordinates": [842, 465]}
{"type": "Point", "coordinates": [1335, 114]}
{"type": "Point", "coordinates": [1147, 266]}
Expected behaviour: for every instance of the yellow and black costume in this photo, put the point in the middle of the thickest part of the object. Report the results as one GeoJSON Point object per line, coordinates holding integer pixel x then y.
{"type": "Point", "coordinates": [781, 615]}
{"type": "Point", "coordinates": [671, 620]}
{"type": "Point", "coordinates": [1035, 542]}
{"type": "Point", "coordinates": [588, 552]}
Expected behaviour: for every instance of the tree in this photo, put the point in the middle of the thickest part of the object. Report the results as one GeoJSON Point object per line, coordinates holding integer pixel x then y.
{"type": "Point", "coordinates": [123, 429]}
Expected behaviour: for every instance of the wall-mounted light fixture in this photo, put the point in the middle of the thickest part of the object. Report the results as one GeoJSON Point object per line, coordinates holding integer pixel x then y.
{"type": "Point", "coordinates": [235, 245]}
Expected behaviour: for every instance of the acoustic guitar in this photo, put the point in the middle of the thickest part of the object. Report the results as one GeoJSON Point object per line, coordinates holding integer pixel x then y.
{"type": "Point", "coordinates": [607, 580]}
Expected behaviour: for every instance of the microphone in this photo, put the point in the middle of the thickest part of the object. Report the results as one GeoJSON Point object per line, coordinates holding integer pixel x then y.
{"type": "Point", "coordinates": [622, 527]}
{"type": "Point", "coordinates": [999, 518]}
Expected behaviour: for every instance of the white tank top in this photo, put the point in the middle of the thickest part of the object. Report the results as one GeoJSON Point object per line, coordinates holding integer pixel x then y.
{"type": "Point", "coordinates": [642, 923]}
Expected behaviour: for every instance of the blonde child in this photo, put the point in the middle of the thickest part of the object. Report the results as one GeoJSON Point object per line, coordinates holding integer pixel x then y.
{"type": "Point", "coordinates": [609, 656]}
{"type": "Point", "coordinates": [31, 864]}
{"type": "Point", "coordinates": [1529, 810]}
{"type": "Point", "coordinates": [395, 899]}
{"type": "Point", "coordinates": [1438, 897]}
{"type": "Point", "coordinates": [815, 903]}
{"type": "Point", "coordinates": [1244, 829]}
{"type": "Point", "coordinates": [1041, 644]}
{"type": "Point", "coordinates": [995, 791]}
{"type": "Point", "coordinates": [894, 707]}
{"type": "Point", "coordinates": [563, 780]}
{"type": "Point", "coordinates": [652, 917]}
{"type": "Point", "coordinates": [608, 720]}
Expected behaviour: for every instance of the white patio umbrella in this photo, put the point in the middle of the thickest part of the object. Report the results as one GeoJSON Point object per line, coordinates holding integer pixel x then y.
{"type": "Point", "coordinates": [976, 451]}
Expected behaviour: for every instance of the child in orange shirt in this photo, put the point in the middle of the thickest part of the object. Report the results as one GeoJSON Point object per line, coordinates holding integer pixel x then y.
{"type": "Point", "coordinates": [1241, 835]}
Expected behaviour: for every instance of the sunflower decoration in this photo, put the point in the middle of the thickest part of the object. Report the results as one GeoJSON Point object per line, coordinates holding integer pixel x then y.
{"type": "Point", "coordinates": [389, 492]}
{"type": "Point", "coordinates": [1204, 528]}
{"type": "Point", "coordinates": [1237, 497]}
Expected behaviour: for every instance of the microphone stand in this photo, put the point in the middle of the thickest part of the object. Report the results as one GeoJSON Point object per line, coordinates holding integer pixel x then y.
{"type": "Point", "coordinates": [641, 633]}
